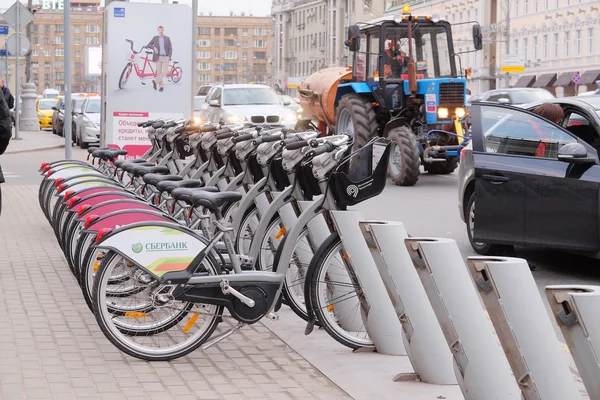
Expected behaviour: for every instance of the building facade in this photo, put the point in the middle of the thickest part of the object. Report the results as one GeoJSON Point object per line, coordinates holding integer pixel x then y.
{"type": "Point", "coordinates": [309, 35]}
{"type": "Point", "coordinates": [230, 49]}
{"type": "Point", "coordinates": [553, 39]}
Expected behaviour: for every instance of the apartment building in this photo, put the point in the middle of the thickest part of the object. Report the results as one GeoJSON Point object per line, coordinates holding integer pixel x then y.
{"type": "Point", "coordinates": [231, 49]}
{"type": "Point", "coordinates": [555, 39]}
{"type": "Point", "coordinates": [234, 49]}
{"type": "Point", "coordinates": [309, 35]}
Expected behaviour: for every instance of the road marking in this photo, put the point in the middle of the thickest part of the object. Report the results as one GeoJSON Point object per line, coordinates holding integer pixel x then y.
{"type": "Point", "coordinates": [8, 174]}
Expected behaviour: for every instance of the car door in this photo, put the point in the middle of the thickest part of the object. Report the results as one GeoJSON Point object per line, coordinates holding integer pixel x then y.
{"type": "Point", "coordinates": [523, 194]}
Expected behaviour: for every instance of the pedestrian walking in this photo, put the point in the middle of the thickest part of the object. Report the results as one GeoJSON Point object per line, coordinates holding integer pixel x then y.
{"type": "Point", "coordinates": [5, 125]}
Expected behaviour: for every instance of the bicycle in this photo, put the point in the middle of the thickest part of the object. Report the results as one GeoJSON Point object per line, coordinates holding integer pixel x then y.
{"type": "Point", "coordinates": [173, 75]}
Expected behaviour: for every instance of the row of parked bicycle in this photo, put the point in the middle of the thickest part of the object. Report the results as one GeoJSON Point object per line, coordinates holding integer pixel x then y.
{"type": "Point", "coordinates": [231, 217]}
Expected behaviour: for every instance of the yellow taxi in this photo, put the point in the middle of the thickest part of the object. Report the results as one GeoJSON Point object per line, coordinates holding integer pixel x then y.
{"type": "Point", "coordinates": [45, 111]}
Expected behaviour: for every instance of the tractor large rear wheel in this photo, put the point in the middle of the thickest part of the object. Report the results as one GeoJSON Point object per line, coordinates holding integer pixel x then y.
{"type": "Point", "coordinates": [355, 116]}
{"type": "Point", "coordinates": [404, 156]}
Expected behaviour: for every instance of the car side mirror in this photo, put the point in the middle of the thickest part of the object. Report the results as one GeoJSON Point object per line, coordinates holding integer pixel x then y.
{"type": "Point", "coordinates": [574, 153]}
{"type": "Point", "coordinates": [503, 101]}
{"type": "Point", "coordinates": [286, 102]}
{"type": "Point", "coordinates": [477, 37]}
{"type": "Point", "coordinates": [353, 39]}
{"type": "Point", "coordinates": [213, 103]}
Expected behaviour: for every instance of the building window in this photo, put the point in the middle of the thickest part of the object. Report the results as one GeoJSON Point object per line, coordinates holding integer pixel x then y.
{"type": "Point", "coordinates": [59, 64]}
{"type": "Point", "coordinates": [230, 67]}
{"type": "Point", "coordinates": [536, 5]}
{"type": "Point", "coordinates": [535, 48]}
{"type": "Point", "coordinates": [231, 55]}
{"type": "Point", "coordinates": [92, 40]}
{"type": "Point", "coordinates": [230, 43]}
{"type": "Point", "coordinates": [555, 3]}
{"type": "Point", "coordinates": [578, 43]}
{"type": "Point", "coordinates": [59, 39]}
{"type": "Point", "coordinates": [60, 52]}
{"type": "Point", "coordinates": [517, 7]}
{"type": "Point", "coordinates": [244, 56]}
{"type": "Point", "coordinates": [77, 65]}
{"type": "Point", "coordinates": [217, 67]}
{"type": "Point", "coordinates": [203, 66]}
{"type": "Point", "coordinates": [60, 88]}
{"type": "Point", "coordinates": [244, 32]}
{"type": "Point", "coordinates": [203, 30]}
{"type": "Point", "coordinates": [260, 32]}
{"type": "Point", "coordinates": [260, 55]}
{"type": "Point", "coordinates": [92, 28]}
{"type": "Point", "coordinates": [35, 76]}
{"type": "Point", "coordinates": [47, 53]}
{"type": "Point", "coordinates": [77, 41]}
{"type": "Point", "coordinates": [204, 78]}
{"type": "Point", "coordinates": [60, 76]}
{"type": "Point", "coordinates": [245, 44]}
{"type": "Point", "coordinates": [556, 42]}
{"type": "Point", "coordinates": [35, 40]}
{"type": "Point", "coordinates": [77, 54]}
{"type": "Point", "coordinates": [77, 29]}
{"type": "Point", "coordinates": [46, 29]}
{"type": "Point", "coordinates": [203, 54]}
{"type": "Point", "coordinates": [567, 43]}
{"type": "Point", "coordinates": [46, 65]}
{"type": "Point", "coordinates": [35, 54]}
{"type": "Point", "coordinates": [545, 47]}
{"type": "Point", "coordinates": [217, 43]}
{"type": "Point", "coordinates": [525, 49]}
{"type": "Point", "coordinates": [216, 56]}
{"type": "Point", "coordinates": [591, 41]}
{"type": "Point", "coordinates": [230, 31]}
{"type": "Point", "coordinates": [34, 64]}
{"type": "Point", "coordinates": [204, 43]}
{"type": "Point", "coordinates": [47, 41]}
{"type": "Point", "coordinates": [516, 46]}
{"type": "Point", "coordinates": [217, 31]}
{"type": "Point", "coordinates": [59, 28]}
{"type": "Point", "coordinates": [260, 43]}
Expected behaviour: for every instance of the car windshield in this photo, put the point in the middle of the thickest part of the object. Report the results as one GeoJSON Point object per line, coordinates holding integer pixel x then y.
{"type": "Point", "coordinates": [78, 103]}
{"type": "Point", "coordinates": [250, 96]}
{"type": "Point", "coordinates": [93, 106]}
{"type": "Point", "coordinates": [198, 101]}
{"type": "Point", "coordinates": [47, 104]}
{"type": "Point", "coordinates": [530, 96]}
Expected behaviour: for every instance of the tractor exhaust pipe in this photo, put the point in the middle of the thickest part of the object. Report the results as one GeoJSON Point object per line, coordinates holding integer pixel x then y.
{"type": "Point", "coordinates": [412, 68]}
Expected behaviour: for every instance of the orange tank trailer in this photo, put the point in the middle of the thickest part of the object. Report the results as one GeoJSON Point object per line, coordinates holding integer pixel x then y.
{"type": "Point", "coordinates": [317, 95]}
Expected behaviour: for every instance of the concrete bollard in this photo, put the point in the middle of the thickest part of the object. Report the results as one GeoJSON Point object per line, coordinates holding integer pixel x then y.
{"type": "Point", "coordinates": [380, 319]}
{"type": "Point", "coordinates": [519, 316]}
{"type": "Point", "coordinates": [29, 120]}
{"type": "Point", "coordinates": [575, 308]}
{"type": "Point", "coordinates": [481, 368]}
{"type": "Point", "coordinates": [424, 340]}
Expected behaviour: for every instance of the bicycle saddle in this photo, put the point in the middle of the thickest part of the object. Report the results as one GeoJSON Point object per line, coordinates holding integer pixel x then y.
{"type": "Point", "coordinates": [119, 163]}
{"type": "Point", "coordinates": [170, 185]}
{"type": "Point", "coordinates": [143, 170]}
{"type": "Point", "coordinates": [109, 155]}
{"type": "Point", "coordinates": [93, 149]}
{"type": "Point", "coordinates": [153, 179]}
{"type": "Point", "coordinates": [213, 201]}
{"type": "Point", "coordinates": [128, 167]}
{"type": "Point", "coordinates": [185, 194]}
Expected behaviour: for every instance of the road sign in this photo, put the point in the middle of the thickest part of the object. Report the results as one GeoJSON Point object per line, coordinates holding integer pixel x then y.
{"type": "Point", "coordinates": [11, 45]}
{"type": "Point", "coordinates": [2, 52]}
{"type": "Point", "coordinates": [513, 63]}
{"type": "Point", "coordinates": [576, 78]}
{"type": "Point", "coordinates": [222, 68]}
{"type": "Point", "coordinates": [25, 16]}
{"type": "Point", "coordinates": [3, 29]}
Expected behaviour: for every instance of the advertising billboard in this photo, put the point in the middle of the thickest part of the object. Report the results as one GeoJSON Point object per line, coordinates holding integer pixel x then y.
{"type": "Point", "coordinates": [93, 61]}
{"type": "Point", "coordinates": [146, 74]}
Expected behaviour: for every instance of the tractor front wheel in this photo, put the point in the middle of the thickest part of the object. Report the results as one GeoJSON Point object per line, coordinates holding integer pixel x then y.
{"type": "Point", "coordinates": [355, 116]}
{"type": "Point", "coordinates": [404, 157]}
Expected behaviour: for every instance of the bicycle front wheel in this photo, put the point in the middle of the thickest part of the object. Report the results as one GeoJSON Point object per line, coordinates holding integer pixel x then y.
{"type": "Point", "coordinates": [176, 74]}
{"type": "Point", "coordinates": [125, 75]}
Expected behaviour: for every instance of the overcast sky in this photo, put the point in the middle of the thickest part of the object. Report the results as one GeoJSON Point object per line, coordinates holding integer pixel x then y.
{"type": "Point", "coordinates": [217, 7]}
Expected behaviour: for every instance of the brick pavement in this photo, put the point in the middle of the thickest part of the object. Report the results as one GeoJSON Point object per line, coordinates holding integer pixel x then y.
{"type": "Point", "coordinates": [52, 348]}
{"type": "Point", "coordinates": [34, 141]}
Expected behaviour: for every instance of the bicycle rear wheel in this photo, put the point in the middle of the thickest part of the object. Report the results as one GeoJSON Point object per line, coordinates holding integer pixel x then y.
{"type": "Point", "coordinates": [125, 75]}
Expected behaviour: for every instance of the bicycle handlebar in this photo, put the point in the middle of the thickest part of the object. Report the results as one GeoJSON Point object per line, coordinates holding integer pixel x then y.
{"type": "Point", "coordinates": [296, 145]}
{"type": "Point", "coordinates": [225, 135]}
{"type": "Point", "coordinates": [131, 45]}
{"type": "Point", "coordinates": [324, 148]}
{"type": "Point", "coordinates": [243, 138]}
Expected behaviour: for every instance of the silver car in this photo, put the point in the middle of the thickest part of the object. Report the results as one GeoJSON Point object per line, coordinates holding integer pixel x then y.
{"type": "Point", "coordinates": [87, 122]}
{"type": "Point", "coordinates": [198, 101]}
{"type": "Point", "coordinates": [255, 104]}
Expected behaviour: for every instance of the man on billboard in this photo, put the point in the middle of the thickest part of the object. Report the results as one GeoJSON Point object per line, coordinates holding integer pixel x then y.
{"type": "Point", "coordinates": [162, 56]}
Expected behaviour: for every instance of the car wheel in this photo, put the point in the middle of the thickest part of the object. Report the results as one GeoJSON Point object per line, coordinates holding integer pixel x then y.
{"type": "Point", "coordinates": [482, 248]}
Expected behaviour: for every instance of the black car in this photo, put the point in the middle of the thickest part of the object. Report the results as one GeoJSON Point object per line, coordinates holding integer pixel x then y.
{"type": "Point", "coordinates": [535, 183]}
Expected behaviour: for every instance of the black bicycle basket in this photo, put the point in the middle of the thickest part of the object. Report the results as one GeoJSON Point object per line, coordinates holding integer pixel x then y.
{"type": "Point", "coordinates": [362, 174]}
{"type": "Point", "coordinates": [280, 176]}
{"type": "Point", "coordinates": [307, 181]}
{"type": "Point", "coordinates": [254, 167]}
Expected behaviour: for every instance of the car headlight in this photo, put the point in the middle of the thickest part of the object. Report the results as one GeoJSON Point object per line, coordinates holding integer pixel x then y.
{"type": "Point", "coordinates": [236, 118]}
{"type": "Point", "coordinates": [197, 120]}
{"type": "Point", "coordinates": [442, 113]}
{"type": "Point", "coordinates": [289, 118]}
{"type": "Point", "coordinates": [41, 115]}
{"type": "Point", "coordinates": [460, 112]}
{"type": "Point", "coordinates": [299, 111]}
{"type": "Point", "coordinates": [88, 123]}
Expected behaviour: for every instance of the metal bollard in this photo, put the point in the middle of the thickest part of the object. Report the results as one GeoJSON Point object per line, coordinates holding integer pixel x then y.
{"type": "Point", "coordinates": [481, 368]}
{"type": "Point", "coordinates": [575, 308]}
{"type": "Point", "coordinates": [380, 319]}
{"type": "Point", "coordinates": [424, 340]}
{"type": "Point", "coordinates": [519, 316]}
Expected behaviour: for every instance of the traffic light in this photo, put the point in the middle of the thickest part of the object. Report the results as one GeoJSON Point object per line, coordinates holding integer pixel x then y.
{"type": "Point", "coordinates": [468, 73]}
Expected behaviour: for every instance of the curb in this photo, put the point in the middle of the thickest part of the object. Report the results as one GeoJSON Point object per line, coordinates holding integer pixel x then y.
{"type": "Point", "coordinates": [59, 146]}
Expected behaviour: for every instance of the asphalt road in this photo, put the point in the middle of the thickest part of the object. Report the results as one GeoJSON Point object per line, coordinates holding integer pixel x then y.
{"type": "Point", "coordinates": [427, 209]}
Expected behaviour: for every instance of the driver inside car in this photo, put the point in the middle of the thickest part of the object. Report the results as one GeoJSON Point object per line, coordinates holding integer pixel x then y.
{"type": "Point", "coordinates": [395, 60]}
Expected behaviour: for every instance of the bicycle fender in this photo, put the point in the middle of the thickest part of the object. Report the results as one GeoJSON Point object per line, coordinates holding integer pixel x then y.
{"type": "Point", "coordinates": [70, 172]}
{"type": "Point", "coordinates": [157, 247]}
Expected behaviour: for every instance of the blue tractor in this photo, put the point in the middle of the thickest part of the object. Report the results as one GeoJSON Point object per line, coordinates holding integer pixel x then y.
{"type": "Point", "coordinates": [405, 86]}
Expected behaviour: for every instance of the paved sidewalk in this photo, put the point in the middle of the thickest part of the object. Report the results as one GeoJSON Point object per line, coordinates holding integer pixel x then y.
{"type": "Point", "coordinates": [34, 141]}
{"type": "Point", "coordinates": [52, 348]}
